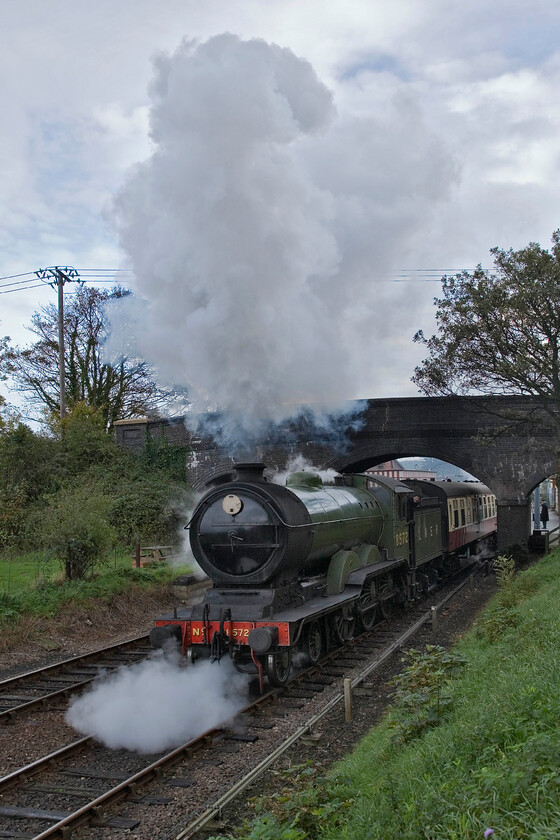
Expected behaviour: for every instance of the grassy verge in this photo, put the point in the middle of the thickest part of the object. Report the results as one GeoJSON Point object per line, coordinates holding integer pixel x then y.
{"type": "Point", "coordinates": [486, 765]}
{"type": "Point", "coordinates": [32, 585]}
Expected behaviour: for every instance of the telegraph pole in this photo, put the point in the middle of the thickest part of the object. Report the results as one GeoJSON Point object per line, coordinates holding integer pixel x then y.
{"type": "Point", "coordinates": [58, 276]}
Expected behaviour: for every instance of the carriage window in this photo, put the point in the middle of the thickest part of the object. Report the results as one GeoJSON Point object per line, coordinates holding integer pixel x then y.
{"type": "Point", "coordinates": [455, 518]}
{"type": "Point", "coordinates": [463, 516]}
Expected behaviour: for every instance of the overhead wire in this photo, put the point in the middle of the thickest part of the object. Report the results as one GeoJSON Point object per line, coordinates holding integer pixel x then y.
{"type": "Point", "coordinates": [24, 289]}
{"type": "Point", "coordinates": [10, 282]}
{"type": "Point", "coordinates": [107, 275]}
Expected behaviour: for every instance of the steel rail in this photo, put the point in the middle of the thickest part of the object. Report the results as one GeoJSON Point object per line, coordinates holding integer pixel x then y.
{"type": "Point", "coordinates": [19, 681]}
{"type": "Point", "coordinates": [93, 811]}
{"type": "Point", "coordinates": [72, 660]}
{"type": "Point", "coordinates": [20, 775]}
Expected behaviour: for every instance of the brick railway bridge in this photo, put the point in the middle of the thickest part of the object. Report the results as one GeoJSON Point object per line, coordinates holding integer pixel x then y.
{"type": "Point", "coordinates": [508, 442]}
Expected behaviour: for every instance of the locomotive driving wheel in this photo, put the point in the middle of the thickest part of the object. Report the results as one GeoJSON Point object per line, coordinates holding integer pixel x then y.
{"type": "Point", "coordinates": [278, 667]}
{"type": "Point", "coordinates": [313, 642]}
{"type": "Point", "coordinates": [367, 605]}
{"type": "Point", "coordinates": [386, 596]}
{"type": "Point", "coordinates": [342, 627]}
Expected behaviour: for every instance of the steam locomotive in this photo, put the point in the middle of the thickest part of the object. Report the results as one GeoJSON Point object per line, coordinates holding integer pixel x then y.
{"type": "Point", "coordinates": [298, 568]}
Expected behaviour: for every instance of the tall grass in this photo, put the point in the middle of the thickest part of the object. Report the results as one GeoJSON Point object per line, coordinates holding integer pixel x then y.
{"type": "Point", "coordinates": [494, 762]}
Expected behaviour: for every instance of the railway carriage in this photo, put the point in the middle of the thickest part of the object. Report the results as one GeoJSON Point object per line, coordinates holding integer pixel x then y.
{"type": "Point", "coordinates": [469, 513]}
{"type": "Point", "coordinates": [298, 568]}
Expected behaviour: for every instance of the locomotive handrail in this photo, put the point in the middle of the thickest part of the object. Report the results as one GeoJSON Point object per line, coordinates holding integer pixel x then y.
{"type": "Point", "coordinates": [304, 525]}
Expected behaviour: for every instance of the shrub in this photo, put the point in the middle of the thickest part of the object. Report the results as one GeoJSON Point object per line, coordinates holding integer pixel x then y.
{"type": "Point", "coordinates": [504, 567]}
{"type": "Point", "coordinates": [83, 439]}
{"type": "Point", "coordinates": [149, 508]}
{"type": "Point", "coordinates": [75, 527]}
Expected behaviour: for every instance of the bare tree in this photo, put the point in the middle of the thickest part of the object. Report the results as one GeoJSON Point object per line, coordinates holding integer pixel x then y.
{"type": "Point", "coordinates": [120, 390]}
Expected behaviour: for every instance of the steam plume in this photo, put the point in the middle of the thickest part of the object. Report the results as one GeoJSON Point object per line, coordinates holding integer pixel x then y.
{"type": "Point", "coordinates": [259, 227]}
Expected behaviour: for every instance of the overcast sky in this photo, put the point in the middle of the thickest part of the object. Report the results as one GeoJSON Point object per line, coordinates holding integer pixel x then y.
{"type": "Point", "coordinates": [385, 138]}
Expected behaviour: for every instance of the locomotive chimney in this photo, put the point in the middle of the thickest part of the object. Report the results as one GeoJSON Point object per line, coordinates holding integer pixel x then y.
{"type": "Point", "coordinates": [250, 471]}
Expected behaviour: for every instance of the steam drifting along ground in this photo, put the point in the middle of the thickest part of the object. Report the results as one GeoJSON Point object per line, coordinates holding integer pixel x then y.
{"type": "Point", "coordinates": [261, 231]}
{"type": "Point", "coordinates": [157, 704]}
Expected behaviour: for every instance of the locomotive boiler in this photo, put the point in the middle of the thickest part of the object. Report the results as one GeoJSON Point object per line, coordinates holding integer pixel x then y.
{"type": "Point", "coordinates": [298, 568]}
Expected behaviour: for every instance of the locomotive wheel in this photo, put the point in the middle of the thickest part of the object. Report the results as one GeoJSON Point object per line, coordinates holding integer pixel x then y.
{"type": "Point", "coordinates": [386, 596]}
{"type": "Point", "coordinates": [367, 606]}
{"type": "Point", "coordinates": [342, 628]}
{"type": "Point", "coordinates": [313, 642]}
{"type": "Point", "coordinates": [278, 667]}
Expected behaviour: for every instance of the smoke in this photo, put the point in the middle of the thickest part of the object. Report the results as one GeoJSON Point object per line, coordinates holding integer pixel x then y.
{"type": "Point", "coordinates": [260, 231]}
{"type": "Point", "coordinates": [157, 705]}
{"type": "Point", "coordinates": [186, 555]}
{"type": "Point", "coordinates": [298, 463]}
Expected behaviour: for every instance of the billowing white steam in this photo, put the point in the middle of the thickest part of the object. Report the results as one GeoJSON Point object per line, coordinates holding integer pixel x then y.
{"type": "Point", "coordinates": [157, 705]}
{"type": "Point", "coordinates": [299, 463]}
{"type": "Point", "coordinates": [259, 228]}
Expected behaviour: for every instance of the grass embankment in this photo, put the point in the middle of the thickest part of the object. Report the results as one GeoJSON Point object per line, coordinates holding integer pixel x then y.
{"type": "Point", "coordinates": [484, 759]}
{"type": "Point", "coordinates": [32, 585]}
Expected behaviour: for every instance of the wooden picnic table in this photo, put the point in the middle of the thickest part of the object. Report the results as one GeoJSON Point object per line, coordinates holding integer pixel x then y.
{"type": "Point", "coordinates": [145, 555]}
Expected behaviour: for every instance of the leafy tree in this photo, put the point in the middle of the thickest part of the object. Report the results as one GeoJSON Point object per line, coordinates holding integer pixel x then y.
{"type": "Point", "coordinates": [122, 390]}
{"type": "Point", "coordinates": [4, 364]}
{"type": "Point", "coordinates": [27, 459]}
{"type": "Point", "coordinates": [84, 441]}
{"type": "Point", "coordinates": [499, 331]}
{"type": "Point", "coordinates": [27, 463]}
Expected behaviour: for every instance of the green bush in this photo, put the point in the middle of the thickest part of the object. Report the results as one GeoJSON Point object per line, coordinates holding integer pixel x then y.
{"type": "Point", "coordinates": [13, 507]}
{"type": "Point", "coordinates": [148, 509]}
{"type": "Point", "coordinates": [83, 440]}
{"type": "Point", "coordinates": [75, 528]}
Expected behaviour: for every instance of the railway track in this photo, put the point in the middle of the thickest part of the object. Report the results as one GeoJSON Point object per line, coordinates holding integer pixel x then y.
{"type": "Point", "coordinates": [43, 687]}
{"type": "Point", "coordinates": [84, 785]}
